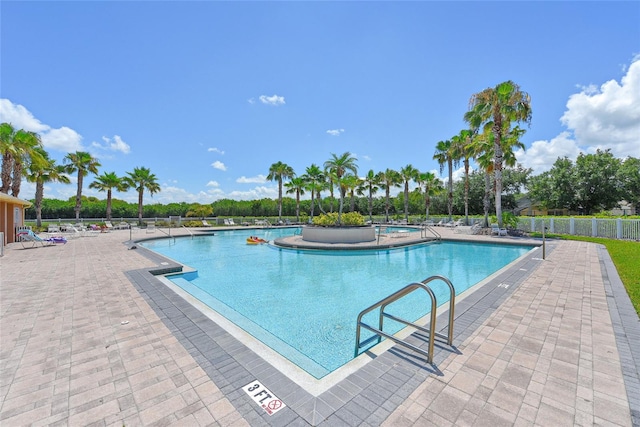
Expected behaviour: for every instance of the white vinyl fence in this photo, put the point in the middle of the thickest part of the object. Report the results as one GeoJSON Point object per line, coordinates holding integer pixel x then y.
{"type": "Point", "coordinates": [618, 228]}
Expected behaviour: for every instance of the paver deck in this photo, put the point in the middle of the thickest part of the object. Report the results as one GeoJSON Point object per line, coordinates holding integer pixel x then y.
{"type": "Point", "coordinates": [89, 337]}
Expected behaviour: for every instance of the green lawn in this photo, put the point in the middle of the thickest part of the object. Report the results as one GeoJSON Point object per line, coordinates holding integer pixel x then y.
{"type": "Point", "coordinates": [626, 257]}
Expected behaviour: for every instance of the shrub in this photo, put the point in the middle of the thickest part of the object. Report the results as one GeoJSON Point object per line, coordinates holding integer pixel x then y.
{"type": "Point", "coordinates": [331, 219]}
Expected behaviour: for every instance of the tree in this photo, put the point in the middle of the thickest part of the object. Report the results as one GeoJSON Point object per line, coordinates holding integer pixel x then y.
{"type": "Point", "coordinates": [370, 183]}
{"type": "Point", "coordinates": [388, 179]}
{"type": "Point", "coordinates": [464, 149]}
{"type": "Point", "coordinates": [41, 173]}
{"type": "Point", "coordinates": [141, 179]}
{"type": "Point", "coordinates": [432, 187]}
{"type": "Point", "coordinates": [106, 182]}
{"type": "Point", "coordinates": [351, 183]}
{"type": "Point", "coordinates": [84, 164]}
{"type": "Point", "coordinates": [445, 155]}
{"type": "Point", "coordinates": [629, 179]}
{"type": "Point", "coordinates": [19, 148]}
{"type": "Point", "coordinates": [498, 108]}
{"type": "Point", "coordinates": [595, 181]}
{"type": "Point", "coordinates": [278, 172]}
{"type": "Point", "coordinates": [408, 174]}
{"type": "Point", "coordinates": [314, 177]}
{"type": "Point", "coordinates": [338, 166]}
{"type": "Point", "coordinates": [296, 186]}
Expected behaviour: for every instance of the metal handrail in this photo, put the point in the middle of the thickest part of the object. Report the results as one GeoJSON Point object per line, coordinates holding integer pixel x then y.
{"type": "Point", "coordinates": [425, 228]}
{"type": "Point", "coordinates": [383, 303]}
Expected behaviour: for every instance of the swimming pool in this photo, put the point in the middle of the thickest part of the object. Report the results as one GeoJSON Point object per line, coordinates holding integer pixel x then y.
{"type": "Point", "coordinates": [304, 305]}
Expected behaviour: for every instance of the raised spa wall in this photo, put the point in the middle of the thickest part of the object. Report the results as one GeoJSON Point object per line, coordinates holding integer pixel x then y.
{"type": "Point", "coordinates": [339, 234]}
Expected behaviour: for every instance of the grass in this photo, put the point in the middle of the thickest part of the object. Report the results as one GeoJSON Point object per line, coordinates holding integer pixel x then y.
{"type": "Point", "coordinates": [626, 257]}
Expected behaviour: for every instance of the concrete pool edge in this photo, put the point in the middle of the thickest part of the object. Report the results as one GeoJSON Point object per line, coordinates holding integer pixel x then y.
{"type": "Point", "coordinates": [387, 379]}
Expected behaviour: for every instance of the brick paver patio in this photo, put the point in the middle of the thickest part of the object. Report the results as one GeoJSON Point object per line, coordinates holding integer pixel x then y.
{"type": "Point", "coordinates": [85, 341]}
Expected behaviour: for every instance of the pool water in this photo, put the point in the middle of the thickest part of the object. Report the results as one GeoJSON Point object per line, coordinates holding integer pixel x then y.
{"type": "Point", "coordinates": [304, 304]}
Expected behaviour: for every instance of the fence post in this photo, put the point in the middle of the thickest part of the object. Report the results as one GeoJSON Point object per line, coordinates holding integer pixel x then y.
{"type": "Point", "coordinates": [594, 228]}
{"type": "Point", "coordinates": [618, 228]}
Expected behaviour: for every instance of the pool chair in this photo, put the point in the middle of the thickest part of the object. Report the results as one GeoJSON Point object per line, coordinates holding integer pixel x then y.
{"type": "Point", "coordinates": [29, 237]}
{"type": "Point", "coordinates": [205, 223]}
{"type": "Point", "coordinates": [495, 230]}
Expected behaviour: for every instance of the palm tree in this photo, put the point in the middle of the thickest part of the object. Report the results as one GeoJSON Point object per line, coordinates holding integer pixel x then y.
{"type": "Point", "coordinates": [314, 178]}
{"type": "Point", "coordinates": [445, 155]}
{"type": "Point", "coordinates": [500, 107]}
{"type": "Point", "coordinates": [296, 185]}
{"type": "Point", "coordinates": [432, 187]}
{"type": "Point", "coordinates": [388, 179]}
{"type": "Point", "coordinates": [42, 173]}
{"type": "Point", "coordinates": [84, 164]}
{"type": "Point", "coordinates": [106, 182]}
{"type": "Point", "coordinates": [462, 149]}
{"type": "Point", "coordinates": [351, 184]}
{"type": "Point", "coordinates": [483, 153]}
{"type": "Point", "coordinates": [277, 172]}
{"type": "Point", "coordinates": [337, 166]}
{"type": "Point", "coordinates": [141, 178]}
{"type": "Point", "coordinates": [371, 184]}
{"type": "Point", "coordinates": [19, 148]}
{"type": "Point", "coordinates": [407, 173]}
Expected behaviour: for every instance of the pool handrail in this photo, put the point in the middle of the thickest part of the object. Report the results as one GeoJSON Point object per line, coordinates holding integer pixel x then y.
{"type": "Point", "coordinates": [382, 304]}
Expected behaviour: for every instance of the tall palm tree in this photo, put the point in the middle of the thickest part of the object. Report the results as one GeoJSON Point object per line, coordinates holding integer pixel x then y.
{"type": "Point", "coordinates": [408, 174]}
{"type": "Point", "coordinates": [501, 106]}
{"type": "Point", "coordinates": [296, 186]}
{"type": "Point", "coordinates": [370, 183]}
{"type": "Point", "coordinates": [338, 166]}
{"type": "Point", "coordinates": [483, 153]}
{"type": "Point", "coordinates": [445, 155]}
{"type": "Point", "coordinates": [314, 177]}
{"type": "Point", "coordinates": [351, 184]}
{"type": "Point", "coordinates": [84, 163]}
{"type": "Point", "coordinates": [106, 182]}
{"type": "Point", "coordinates": [278, 172]}
{"type": "Point", "coordinates": [19, 148]}
{"type": "Point", "coordinates": [388, 179]}
{"type": "Point", "coordinates": [141, 179]}
{"type": "Point", "coordinates": [42, 173]}
{"type": "Point", "coordinates": [463, 150]}
{"type": "Point", "coordinates": [432, 187]}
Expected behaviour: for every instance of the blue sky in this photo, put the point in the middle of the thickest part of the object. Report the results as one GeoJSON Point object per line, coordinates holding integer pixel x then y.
{"type": "Point", "coordinates": [209, 94]}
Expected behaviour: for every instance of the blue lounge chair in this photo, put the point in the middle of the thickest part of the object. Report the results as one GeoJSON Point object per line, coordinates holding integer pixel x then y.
{"type": "Point", "coordinates": [28, 236]}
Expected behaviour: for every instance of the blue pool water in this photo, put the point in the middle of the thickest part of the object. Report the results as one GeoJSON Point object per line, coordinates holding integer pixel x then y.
{"type": "Point", "coordinates": [304, 304]}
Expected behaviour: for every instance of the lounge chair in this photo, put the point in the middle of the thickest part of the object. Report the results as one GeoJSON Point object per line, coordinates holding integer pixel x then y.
{"type": "Point", "coordinates": [108, 225]}
{"type": "Point", "coordinates": [28, 236]}
{"type": "Point", "coordinates": [205, 223]}
{"type": "Point", "coordinates": [495, 229]}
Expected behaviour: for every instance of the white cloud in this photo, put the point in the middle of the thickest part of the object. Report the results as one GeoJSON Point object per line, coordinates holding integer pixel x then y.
{"type": "Point", "coordinates": [219, 165]}
{"type": "Point", "coordinates": [213, 184]}
{"type": "Point", "coordinates": [259, 179]}
{"type": "Point", "coordinates": [215, 150]}
{"type": "Point", "coordinates": [605, 117]}
{"type": "Point", "coordinates": [542, 154]}
{"type": "Point", "coordinates": [61, 139]}
{"type": "Point", "coordinates": [20, 117]}
{"type": "Point", "coordinates": [272, 100]}
{"type": "Point", "coordinates": [115, 144]}
{"type": "Point", "coordinates": [254, 194]}
{"type": "Point", "coordinates": [609, 116]}
{"type": "Point", "coordinates": [335, 132]}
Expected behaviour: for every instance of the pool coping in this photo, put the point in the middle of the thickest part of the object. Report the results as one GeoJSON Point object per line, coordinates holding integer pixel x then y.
{"type": "Point", "coordinates": [367, 396]}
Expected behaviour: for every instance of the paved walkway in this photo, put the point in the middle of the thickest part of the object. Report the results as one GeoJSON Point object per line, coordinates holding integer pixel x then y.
{"type": "Point", "coordinates": [84, 341]}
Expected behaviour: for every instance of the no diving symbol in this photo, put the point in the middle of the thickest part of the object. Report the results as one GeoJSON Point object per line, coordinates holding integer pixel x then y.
{"type": "Point", "coordinates": [275, 404]}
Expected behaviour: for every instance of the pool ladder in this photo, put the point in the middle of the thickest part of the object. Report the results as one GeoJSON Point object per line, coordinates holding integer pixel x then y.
{"type": "Point", "coordinates": [383, 303]}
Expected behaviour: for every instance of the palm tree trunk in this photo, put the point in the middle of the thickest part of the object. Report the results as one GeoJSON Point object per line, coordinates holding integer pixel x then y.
{"type": "Point", "coordinates": [280, 199]}
{"type": "Point", "coordinates": [17, 178]}
{"type": "Point", "coordinates": [487, 195]}
{"type": "Point", "coordinates": [38, 202]}
{"type": "Point", "coordinates": [466, 192]}
{"type": "Point", "coordinates": [109, 205]}
{"type": "Point", "coordinates": [7, 167]}
{"type": "Point", "coordinates": [313, 195]}
{"type": "Point", "coordinates": [497, 171]}
{"type": "Point", "coordinates": [450, 201]}
{"type": "Point", "coordinates": [140, 194]}
{"type": "Point", "coordinates": [78, 197]}
{"type": "Point", "coordinates": [406, 201]}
